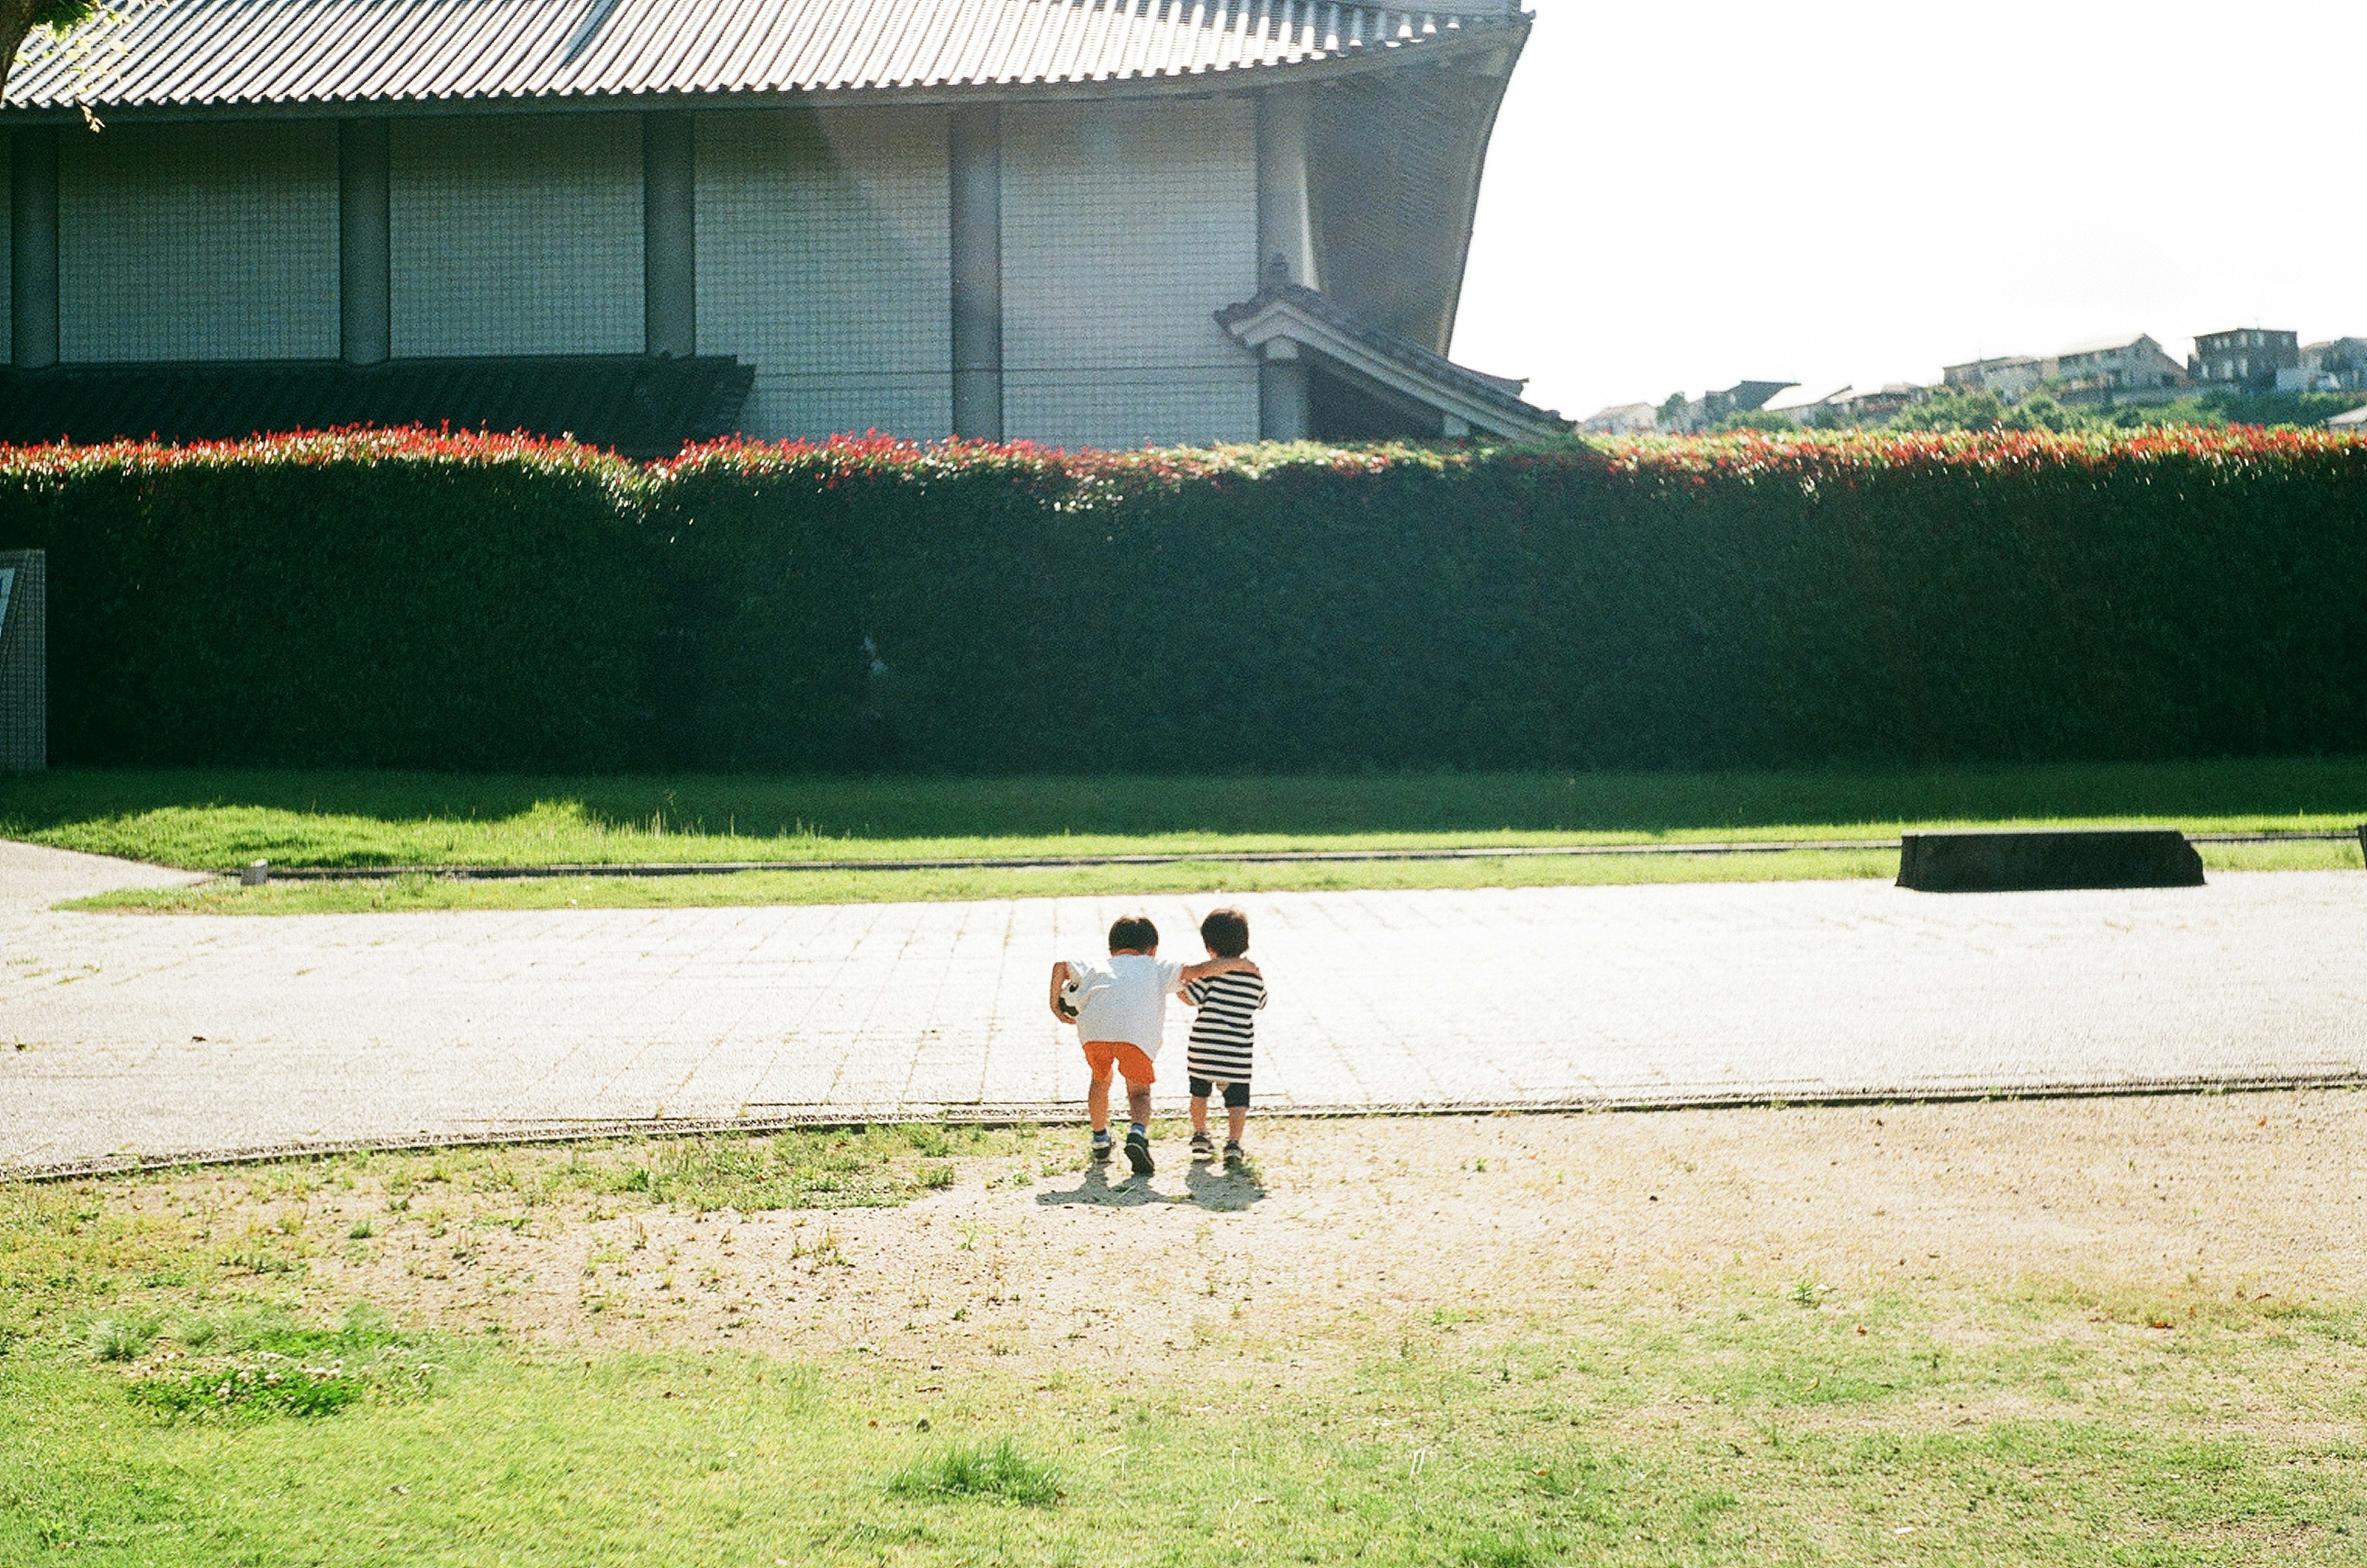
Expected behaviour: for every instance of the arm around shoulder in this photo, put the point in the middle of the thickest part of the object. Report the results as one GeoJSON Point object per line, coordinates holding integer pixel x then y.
{"type": "Point", "coordinates": [1201, 971]}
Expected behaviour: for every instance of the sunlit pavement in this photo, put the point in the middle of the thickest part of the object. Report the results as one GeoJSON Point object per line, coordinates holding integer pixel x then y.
{"type": "Point", "coordinates": [146, 1036]}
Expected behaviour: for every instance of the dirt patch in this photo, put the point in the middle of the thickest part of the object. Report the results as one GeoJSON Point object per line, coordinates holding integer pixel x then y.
{"type": "Point", "coordinates": [2123, 1220]}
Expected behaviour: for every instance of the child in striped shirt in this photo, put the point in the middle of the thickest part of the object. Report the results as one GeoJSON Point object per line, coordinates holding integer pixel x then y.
{"type": "Point", "coordinates": [1223, 1033]}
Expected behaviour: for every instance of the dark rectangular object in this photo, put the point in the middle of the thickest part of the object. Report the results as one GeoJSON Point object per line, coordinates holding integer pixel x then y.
{"type": "Point", "coordinates": [2022, 861]}
{"type": "Point", "coordinates": [24, 661]}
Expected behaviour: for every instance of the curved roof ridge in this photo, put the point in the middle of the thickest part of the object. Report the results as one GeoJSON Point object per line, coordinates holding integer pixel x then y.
{"type": "Point", "coordinates": [226, 54]}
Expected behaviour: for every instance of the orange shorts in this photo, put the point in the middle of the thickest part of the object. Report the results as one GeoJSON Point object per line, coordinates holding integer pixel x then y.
{"type": "Point", "coordinates": [1101, 1055]}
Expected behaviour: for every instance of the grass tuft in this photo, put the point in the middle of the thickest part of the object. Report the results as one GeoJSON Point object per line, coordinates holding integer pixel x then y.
{"type": "Point", "coordinates": [119, 1339]}
{"type": "Point", "coordinates": [1001, 1472]}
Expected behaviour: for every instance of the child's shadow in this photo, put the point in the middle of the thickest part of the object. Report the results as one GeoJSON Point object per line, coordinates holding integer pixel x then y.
{"type": "Point", "coordinates": [1208, 1186]}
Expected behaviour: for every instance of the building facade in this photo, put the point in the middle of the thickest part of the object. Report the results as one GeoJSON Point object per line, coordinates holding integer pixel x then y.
{"type": "Point", "coordinates": [2249, 358]}
{"type": "Point", "coordinates": [2338, 365]}
{"type": "Point", "coordinates": [673, 219]}
{"type": "Point", "coordinates": [2118, 365]}
{"type": "Point", "coordinates": [2008, 377]}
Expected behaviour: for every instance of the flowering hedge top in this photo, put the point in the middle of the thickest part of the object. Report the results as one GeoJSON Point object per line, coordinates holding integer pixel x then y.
{"type": "Point", "coordinates": [1080, 478]}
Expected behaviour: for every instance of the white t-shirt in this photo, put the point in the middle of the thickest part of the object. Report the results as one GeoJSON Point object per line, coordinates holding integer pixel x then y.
{"type": "Point", "coordinates": [1123, 997]}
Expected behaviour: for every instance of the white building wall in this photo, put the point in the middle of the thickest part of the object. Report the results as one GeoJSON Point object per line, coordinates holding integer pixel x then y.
{"type": "Point", "coordinates": [1124, 227]}
{"type": "Point", "coordinates": [516, 234]}
{"type": "Point", "coordinates": [198, 242]}
{"type": "Point", "coordinates": [823, 261]}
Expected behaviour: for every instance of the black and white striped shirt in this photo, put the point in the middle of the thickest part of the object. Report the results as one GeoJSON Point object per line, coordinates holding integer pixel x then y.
{"type": "Point", "coordinates": [1225, 1030]}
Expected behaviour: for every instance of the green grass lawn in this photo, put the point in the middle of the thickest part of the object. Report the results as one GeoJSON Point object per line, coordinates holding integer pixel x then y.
{"type": "Point", "coordinates": [216, 821]}
{"type": "Point", "coordinates": [390, 895]}
{"type": "Point", "coordinates": [152, 1328]}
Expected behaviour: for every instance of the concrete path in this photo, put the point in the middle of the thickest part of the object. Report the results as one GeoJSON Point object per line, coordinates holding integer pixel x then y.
{"type": "Point", "coordinates": [130, 1036]}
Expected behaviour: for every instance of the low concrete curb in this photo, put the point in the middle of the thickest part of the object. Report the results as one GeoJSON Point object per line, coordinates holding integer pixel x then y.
{"type": "Point", "coordinates": [1058, 1113]}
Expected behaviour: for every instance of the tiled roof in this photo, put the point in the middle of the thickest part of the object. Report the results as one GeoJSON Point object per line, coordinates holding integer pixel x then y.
{"type": "Point", "coordinates": [643, 407]}
{"type": "Point", "coordinates": [224, 53]}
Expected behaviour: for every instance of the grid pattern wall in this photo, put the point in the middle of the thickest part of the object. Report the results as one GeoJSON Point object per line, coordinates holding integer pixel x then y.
{"type": "Point", "coordinates": [518, 234]}
{"type": "Point", "coordinates": [198, 242]}
{"type": "Point", "coordinates": [1125, 228]}
{"type": "Point", "coordinates": [24, 665]}
{"type": "Point", "coordinates": [823, 261]}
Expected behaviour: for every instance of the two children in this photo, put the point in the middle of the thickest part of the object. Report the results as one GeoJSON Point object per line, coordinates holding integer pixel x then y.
{"type": "Point", "coordinates": [1119, 1006]}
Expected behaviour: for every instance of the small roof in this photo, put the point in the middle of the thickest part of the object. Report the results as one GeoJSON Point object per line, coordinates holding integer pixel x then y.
{"type": "Point", "coordinates": [1397, 366]}
{"type": "Point", "coordinates": [2107, 345]}
{"type": "Point", "coordinates": [232, 53]}
{"type": "Point", "coordinates": [2000, 362]}
{"type": "Point", "coordinates": [2350, 419]}
{"type": "Point", "coordinates": [1802, 399]}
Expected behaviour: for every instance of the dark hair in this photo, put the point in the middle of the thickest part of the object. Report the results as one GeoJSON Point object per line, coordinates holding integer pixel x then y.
{"type": "Point", "coordinates": [1134, 931]}
{"type": "Point", "coordinates": [1226, 933]}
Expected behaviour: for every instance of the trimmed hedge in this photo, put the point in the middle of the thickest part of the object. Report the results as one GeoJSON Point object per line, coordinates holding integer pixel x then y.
{"type": "Point", "coordinates": [459, 602]}
{"type": "Point", "coordinates": [391, 598]}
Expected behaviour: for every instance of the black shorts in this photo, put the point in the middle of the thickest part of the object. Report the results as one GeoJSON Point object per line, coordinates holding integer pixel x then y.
{"type": "Point", "coordinates": [1237, 1094]}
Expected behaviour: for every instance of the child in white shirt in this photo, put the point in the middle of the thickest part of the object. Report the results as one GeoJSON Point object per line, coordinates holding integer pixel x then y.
{"type": "Point", "coordinates": [1119, 1006]}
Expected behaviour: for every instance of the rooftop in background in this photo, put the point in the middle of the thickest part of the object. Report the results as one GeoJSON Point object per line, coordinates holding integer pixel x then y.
{"type": "Point", "coordinates": [183, 54]}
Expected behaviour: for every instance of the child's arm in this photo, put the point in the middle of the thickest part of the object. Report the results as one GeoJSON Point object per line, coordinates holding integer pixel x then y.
{"type": "Point", "coordinates": [1060, 978]}
{"type": "Point", "coordinates": [1217, 966]}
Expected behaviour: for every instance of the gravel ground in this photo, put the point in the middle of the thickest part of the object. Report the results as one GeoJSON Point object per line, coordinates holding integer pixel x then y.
{"type": "Point", "coordinates": [2115, 1214]}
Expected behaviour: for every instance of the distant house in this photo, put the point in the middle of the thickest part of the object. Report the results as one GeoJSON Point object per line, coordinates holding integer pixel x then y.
{"type": "Point", "coordinates": [1882, 401]}
{"type": "Point", "coordinates": [1622, 419]}
{"type": "Point", "coordinates": [2257, 359]}
{"type": "Point", "coordinates": [1804, 408]}
{"type": "Point", "coordinates": [1743, 397]}
{"type": "Point", "coordinates": [2008, 377]}
{"type": "Point", "coordinates": [2352, 419]}
{"type": "Point", "coordinates": [2338, 365]}
{"type": "Point", "coordinates": [2119, 364]}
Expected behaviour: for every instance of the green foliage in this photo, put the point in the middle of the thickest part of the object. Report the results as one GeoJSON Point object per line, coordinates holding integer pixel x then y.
{"type": "Point", "coordinates": [373, 600]}
{"type": "Point", "coordinates": [1736, 602]}
{"type": "Point", "coordinates": [1766, 420]}
{"type": "Point", "coordinates": [822, 1169]}
{"type": "Point", "coordinates": [1002, 1473]}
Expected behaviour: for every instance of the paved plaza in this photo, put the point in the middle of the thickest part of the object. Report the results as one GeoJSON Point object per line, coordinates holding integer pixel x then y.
{"type": "Point", "coordinates": [125, 1035]}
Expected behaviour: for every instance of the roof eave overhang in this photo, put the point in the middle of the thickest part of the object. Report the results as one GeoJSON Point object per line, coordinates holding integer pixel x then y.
{"type": "Point", "coordinates": [1219, 82]}
{"type": "Point", "coordinates": [1280, 322]}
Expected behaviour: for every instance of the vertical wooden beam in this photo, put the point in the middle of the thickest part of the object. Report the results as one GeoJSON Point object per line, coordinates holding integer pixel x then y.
{"type": "Point", "coordinates": [33, 247]}
{"type": "Point", "coordinates": [1286, 218]}
{"type": "Point", "coordinates": [365, 243]}
{"type": "Point", "coordinates": [975, 151]}
{"type": "Point", "coordinates": [670, 234]}
{"type": "Point", "coordinates": [1285, 227]}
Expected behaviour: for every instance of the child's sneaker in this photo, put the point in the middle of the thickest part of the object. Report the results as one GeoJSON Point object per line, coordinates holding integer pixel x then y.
{"type": "Point", "coordinates": [1138, 1154]}
{"type": "Point", "coordinates": [1233, 1152]}
{"type": "Point", "coordinates": [1102, 1144]}
{"type": "Point", "coordinates": [1202, 1148]}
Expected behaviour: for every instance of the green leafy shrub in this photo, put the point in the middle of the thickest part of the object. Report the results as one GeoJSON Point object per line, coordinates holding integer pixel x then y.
{"type": "Point", "coordinates": [392, 599]}
{"type": "Point", "coordinates": [1737, 601]}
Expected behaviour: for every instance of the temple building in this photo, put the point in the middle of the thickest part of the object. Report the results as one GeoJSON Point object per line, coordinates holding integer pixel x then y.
{"type": "Point", "coordinates": [1080, 222]}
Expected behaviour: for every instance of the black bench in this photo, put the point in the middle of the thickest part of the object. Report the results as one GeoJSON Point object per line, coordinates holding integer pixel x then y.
{"type": "Point", "coordinates": [2028, 859]}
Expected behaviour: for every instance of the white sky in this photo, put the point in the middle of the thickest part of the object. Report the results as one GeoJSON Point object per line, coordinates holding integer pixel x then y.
{"type": "Point", "coordinates": [1687, 195]}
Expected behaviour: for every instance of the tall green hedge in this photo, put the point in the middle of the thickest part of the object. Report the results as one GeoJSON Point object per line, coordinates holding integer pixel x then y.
{"type": "Point", "coordinates": [453, 602]}
{"type": "Point", "coordinates": [394, 599]}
